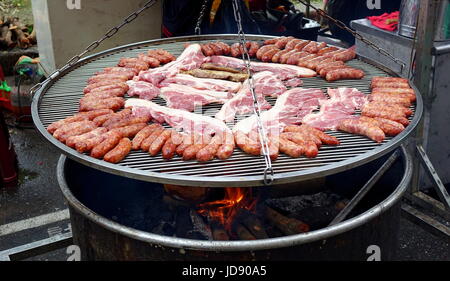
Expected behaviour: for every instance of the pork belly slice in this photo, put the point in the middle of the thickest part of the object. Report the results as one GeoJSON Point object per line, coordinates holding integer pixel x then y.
{"type": "Point", "coordinates": [192, 57]}
{"type": "Point", "coordinates": [283, 71]}
{"type": "Point", "coordinates": [178, 119]}
{"type": "Point", "coordinates": [188, 98]}
{"type": "Point", "coordinates": [264, 83]}
{"type": "Point", "coordinates": [202, 83]}
{"type": "Point", "coordinates": [342, 105]}
{"type": "Point", "coordinates": [289, 109]}
{"type": "Point", "coordinates": [142, 89]}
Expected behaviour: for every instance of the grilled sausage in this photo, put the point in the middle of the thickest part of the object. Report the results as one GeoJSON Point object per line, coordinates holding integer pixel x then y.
{"type": "Point", "coordinates": [290, 148]}
{"type": "Point", "coordinates": [109, 103]}
{"type": "Point", "coordinates": [358, 126]}
{"type": "Point", "coordinates": [208, 152]}
{"type": "Point", "coordinates": [389, 127]}
{"type": "Point", "coordinates": [264, 49]}
{"type": "Point", "coordinates": [73, 129]}
{"type": "Point", "coordinates": [267, 56]}
{"type": "Point", "coordinates": [142, 135]}
{"type": "Point", "coordinates": [345, 73]}
{"type": "Point", "coordinates": [130, 130]}
{"type": "Point", "coordinates": [107, 76]}
{"type": "Point", "coordinates": [145, 145]}
{"type": "Point", "coordinates": [391, 99]}
{"type": "Point", "coordinates": [158, 143]}
{"type": "Point", "coordinates": [326, 50]}
{"type": "Point", "coordinates": [90, 115]}
{"type": "Point", "coordinates": [170, 146]}
{"type": "Point", "coordinates": [73, 140]}
{"type": "Point", "coordinates": [246, 144]}
{"type": "Point", "coordinates": [384, 113]}
{"type": "Point", "coordinates": [106, 85]}
{"type": "Point", "coordinates": [152, 62]}
{"type": "Point", "coordinates": [119, 152]}
{"type": "Point", "coordinates": [191, 151]}
{"type": "Point", "coordinates": [110, 141]}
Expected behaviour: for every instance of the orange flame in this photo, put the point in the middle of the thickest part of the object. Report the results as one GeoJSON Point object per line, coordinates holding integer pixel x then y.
{"type": "Point", "coordinates": [225, 210]}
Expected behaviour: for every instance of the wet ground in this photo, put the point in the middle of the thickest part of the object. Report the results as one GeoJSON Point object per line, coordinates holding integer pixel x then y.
{"type": "Point", "coordinates": [38, 194]}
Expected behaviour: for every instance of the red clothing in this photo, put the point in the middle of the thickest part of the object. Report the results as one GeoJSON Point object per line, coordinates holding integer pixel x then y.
{"type": "Point", "coordinates": [386, 21]}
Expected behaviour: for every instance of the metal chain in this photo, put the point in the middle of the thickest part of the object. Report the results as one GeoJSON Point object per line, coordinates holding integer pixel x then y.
{"type": "Point", "coordinates": [356, 34]}
{"type": "Point", "coordinates": [268, 171]}
{"type": "Point", "coordinates": [93, 45]}
{"type": "Point", "coordinates": [197, 29]}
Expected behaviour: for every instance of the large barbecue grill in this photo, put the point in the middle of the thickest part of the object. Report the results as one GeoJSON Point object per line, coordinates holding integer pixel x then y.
{"type": "Point", "coordinates": [58, 99]}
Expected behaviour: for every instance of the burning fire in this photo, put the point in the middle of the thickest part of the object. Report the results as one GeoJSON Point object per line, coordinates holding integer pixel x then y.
{"type": "Point", "coordinates": [225, 210]}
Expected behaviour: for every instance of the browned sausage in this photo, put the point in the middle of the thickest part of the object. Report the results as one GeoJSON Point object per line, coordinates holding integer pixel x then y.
{"type": "Point", "coordinates": [253, 49]}
{"type": "Point", "coordinates": [226, 149]}
{"type": "Point", "coordinates": [110, 141]}
{"type": "Point", "coordinates": [130, 130]}
{"type": "Point", "coordinates": [106, 85]}
{"type": "Point", "coordinates": [142, 135]}
{"type": "Point", "coordinates": [191, 151]}
{"type": "Point", "coordinates": [108, 76]}
{"type": "Point", "coordinates": [119, 152]}
{"type": "Point", "coordinates": [73, 140]}
{"type": "Point", "coordinates": [145, 145]}
{"type": "Point", "coordinates": [267, 56]}
{"type": "Point", "coordinates": [225, 47]}
{"type": "Point", "coordinates": [129, 120]}
{"type": "Point", "coordinates": [158, 143]}
{"type": "Point", "coordinates": [290, 148]}
{"type": "Point", "coordinates": [169, 148]}
{"type": "Point", "coordinates": [207, 50]}
{"type": "Point", "coordinates": [208, 152]}
{"type": "Point", "coordinates": [73, 129]}
{"type": "Point", "coordinates": [217, 49]}
{"type": "Point", "coordinates": [264, 49]}
{"type": "Point", "coordinates": [346, 73]}
{"type": "Point", "coordinates": [94, 104]}
{"type": "Point", "coordinates": [188, 140]}
{"type": "Point", "coordinates": [152, 62]}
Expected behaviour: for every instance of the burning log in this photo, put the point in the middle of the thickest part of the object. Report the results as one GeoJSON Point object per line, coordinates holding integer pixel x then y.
{"type": "Point", "coordinates": [218, 232]}
{"type": "Point", "coordinates": [252, 223]}
{"type": "Point", "coordinates": [199, 226]}
{"type": "Point", "coordinates": [288, 226]}
{"type": "Point", "coordinates": [243, 233]}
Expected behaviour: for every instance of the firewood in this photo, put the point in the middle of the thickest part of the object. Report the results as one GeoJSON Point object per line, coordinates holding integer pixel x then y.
{"type": "Point", "coordinates": [252, 223]}
{"type": "Point", "coordinates": [6, 37]}
{"type": "Point", "coordinates": [243, 233]}
{"type": "Point", "coordinates": [218, 232]}
{"type": "Point", "coordinates": [16, 27]}
{"type": "Point", "coordinates": [32, 37]}
{"type": "Point", "coordinates": [288, 226]}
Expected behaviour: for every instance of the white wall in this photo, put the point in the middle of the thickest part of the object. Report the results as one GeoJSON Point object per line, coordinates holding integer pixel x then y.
{"type": "Point", "coordinates": [63, 32]}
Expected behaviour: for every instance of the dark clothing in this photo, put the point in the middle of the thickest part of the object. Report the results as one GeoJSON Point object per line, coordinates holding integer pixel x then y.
{"type": "Point", "coordinates": [348, 10]}
{"type": "Point", "coordinates": [180, 18]}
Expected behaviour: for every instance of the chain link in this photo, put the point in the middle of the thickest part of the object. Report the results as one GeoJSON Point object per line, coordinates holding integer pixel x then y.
{"type": "Point", "coordinates": [268, 171]}
{"type": "Point", "coordinates": [93, 45]}
{"type": "Point", "coordinates": [197, 29]}
{"type": "Point", "coordinates": [356, 34]}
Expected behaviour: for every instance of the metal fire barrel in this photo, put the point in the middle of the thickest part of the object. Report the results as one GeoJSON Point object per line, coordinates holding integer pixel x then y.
{"type": "Point", "coordinates": [100, 205]}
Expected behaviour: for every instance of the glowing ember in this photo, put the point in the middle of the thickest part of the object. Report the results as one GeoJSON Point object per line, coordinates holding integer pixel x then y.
{"type": "Point", "coordinates": [225, 210]}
